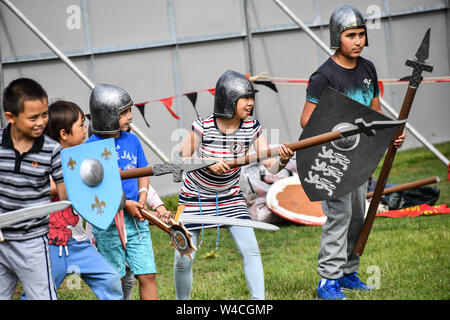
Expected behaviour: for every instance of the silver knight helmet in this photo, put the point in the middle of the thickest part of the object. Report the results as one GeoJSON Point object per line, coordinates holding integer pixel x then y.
{"type": "Point", "coordinates": [343, 18]}
{"type": "Point", "coordinates": [229, 88]}
{"type": "Point", "coordinates": [106, 104]}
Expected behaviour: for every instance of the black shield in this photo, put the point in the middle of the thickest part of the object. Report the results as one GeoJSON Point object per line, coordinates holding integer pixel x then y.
{"type": "Point", "coordinates": [336, 168]}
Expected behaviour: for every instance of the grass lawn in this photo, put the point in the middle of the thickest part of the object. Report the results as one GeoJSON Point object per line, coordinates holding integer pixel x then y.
{"type": "Point", "coordinates": [406, 258]}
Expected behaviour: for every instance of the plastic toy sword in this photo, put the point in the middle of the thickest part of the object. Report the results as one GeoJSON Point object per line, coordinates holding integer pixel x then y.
{"type": "Point", "coordinates": [181, 238]}
{"type": "Point", "coordinates": [38, 211]}
{"type": "Point", "coordinates": [418, 66]}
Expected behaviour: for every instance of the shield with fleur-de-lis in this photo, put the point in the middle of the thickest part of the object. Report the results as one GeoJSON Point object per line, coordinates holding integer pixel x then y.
{"type": "Point", "coordinates": [89, 172]}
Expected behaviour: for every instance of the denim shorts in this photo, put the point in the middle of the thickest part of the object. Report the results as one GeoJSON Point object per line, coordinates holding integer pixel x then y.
{"type": "Point", "coordinates": [139, 251]}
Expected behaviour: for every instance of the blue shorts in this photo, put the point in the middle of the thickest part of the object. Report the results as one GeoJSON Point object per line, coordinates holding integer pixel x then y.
{"type": "Point", "coordinates": [139, 251]}
{"type": "Point", "coordinates": [83, 259]}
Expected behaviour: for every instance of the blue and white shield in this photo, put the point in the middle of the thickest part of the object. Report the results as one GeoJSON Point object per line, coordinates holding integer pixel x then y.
{"type": "Point", "coordinates": [92, 179]}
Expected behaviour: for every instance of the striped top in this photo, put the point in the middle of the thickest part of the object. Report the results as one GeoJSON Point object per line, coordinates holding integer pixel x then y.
{"type": "Point", "coordinates": [25, 182]}
{"type": "Point", "coordinates": [218, 194]}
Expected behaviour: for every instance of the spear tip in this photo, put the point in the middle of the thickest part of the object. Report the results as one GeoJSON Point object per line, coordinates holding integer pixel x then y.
{"type": "Point", "coordinates": [424, 49]}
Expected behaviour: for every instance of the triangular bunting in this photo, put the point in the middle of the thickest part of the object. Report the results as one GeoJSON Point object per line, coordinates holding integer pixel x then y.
{"type": "Point", "coordinates": [212, 91]}
{"type": "Point", "coordinates": [141, 108]}
{"type": "Point", "coordinates": [269, 84]}
{"type": "Point", "coordinates": [381, 87]}
{"type": "Point", "coordinates": [168, 104]}
{"type": "Point", "coordinates": [405, 78]}
{"type": "Point", "coordinates": [192, 96]}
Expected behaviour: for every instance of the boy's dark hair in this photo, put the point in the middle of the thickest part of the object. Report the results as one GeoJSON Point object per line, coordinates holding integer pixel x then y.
{"type": "Point", "coordinates": [62, 115]}
{"type": "Point", "coordinates": [19, 91]}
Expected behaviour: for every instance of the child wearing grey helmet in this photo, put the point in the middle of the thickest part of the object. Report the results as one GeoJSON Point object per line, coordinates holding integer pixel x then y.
{"type": "Point", "coordinates": [226, 134]}
{"type": "Point", "coordinates": [356, 77]}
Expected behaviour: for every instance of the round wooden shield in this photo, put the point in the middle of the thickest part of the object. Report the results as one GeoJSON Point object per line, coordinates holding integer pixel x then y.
{"type": "Point", "coordinates": [287, 199]}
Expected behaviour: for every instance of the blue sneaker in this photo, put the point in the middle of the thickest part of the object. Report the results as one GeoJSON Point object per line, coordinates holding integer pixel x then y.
{"type": "Point", "coordinates": [330, 290]}
{"type": "Point", "coordinates": [351, 281]}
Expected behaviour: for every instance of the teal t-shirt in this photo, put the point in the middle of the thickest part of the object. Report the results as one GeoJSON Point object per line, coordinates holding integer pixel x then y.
{"type": "Point", "coordinates": [359, 83]}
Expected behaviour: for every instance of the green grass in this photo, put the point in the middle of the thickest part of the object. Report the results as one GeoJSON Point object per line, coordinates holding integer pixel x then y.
{"type": "Point", "coordinates": [407, 257]}
{"type": "Point", "coordinates": [420, 163]}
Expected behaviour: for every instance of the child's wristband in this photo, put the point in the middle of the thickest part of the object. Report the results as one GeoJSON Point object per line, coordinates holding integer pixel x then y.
{"type": "Point", "coordinates": [143, 189]}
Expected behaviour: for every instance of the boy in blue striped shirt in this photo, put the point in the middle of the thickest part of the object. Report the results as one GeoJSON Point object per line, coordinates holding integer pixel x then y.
{"type": "Point", "coordinates": [27, 160]}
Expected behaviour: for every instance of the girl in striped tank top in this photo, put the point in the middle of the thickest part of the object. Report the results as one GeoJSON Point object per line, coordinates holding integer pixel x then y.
{"type": "Point", "coordinates": [226, 134]}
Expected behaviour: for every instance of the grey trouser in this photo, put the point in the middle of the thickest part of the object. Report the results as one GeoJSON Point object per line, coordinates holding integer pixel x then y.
{"type": "Point", "coordinates": [246, 242]}
{"type": "Point", "coordinates": [29, 262]}
{"type": "Point", "coordinates": [345, 218]}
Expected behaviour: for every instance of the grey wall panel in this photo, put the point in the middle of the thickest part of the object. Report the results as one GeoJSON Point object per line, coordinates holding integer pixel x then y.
{"type": "Point", "coordinates": [53, 20]}
{"type": "Point", "coordinates": [199, 71]}
{"type": "Point", "coordinates": [283, 55]}
{"type": "Point", "coordinates": [365, 7]}
{"type": "Point", "coordinates": [199, 17]}
{"type": "Point", "coordinates": [404, 33]}
{"type": "Point", "coordinates": [121, 23]}
{"type": "Point", "coordinates": [431, 111]}
{"type": "Point", "coordinates": [145, 74]}
{"type": "Point", "coordinates": [56, 79]}
{"type": "Point", "coordinates": [411, 4]}
{"type": "Point", "coordinates": [265, 13]}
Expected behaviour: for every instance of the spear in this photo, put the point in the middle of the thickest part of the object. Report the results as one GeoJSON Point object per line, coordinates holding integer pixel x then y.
{"type": "Point", "coordinates": [407, 186]}
{"type": "Point", "coordinates": [360, 126]}
{"type": "Point", "coordinates": [419, 65]}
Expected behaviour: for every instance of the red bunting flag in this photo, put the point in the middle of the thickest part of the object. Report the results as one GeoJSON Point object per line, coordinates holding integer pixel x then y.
{"type": "Point", "coordinates": [381, 87]}
{"type": "Point", "coordinates": [270, 82]}
{"type": "Point", "coordinates": [168, 103]}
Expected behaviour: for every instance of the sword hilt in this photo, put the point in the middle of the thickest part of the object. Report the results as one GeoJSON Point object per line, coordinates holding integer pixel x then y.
{"type": "Point", "coordinates": [418, 68]}
{"type": "Point", "coordinates": [180, 237]}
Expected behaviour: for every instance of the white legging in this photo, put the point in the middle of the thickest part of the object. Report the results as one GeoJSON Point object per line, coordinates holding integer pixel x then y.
{"type": "Point", "coordinates": [246, 242]}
